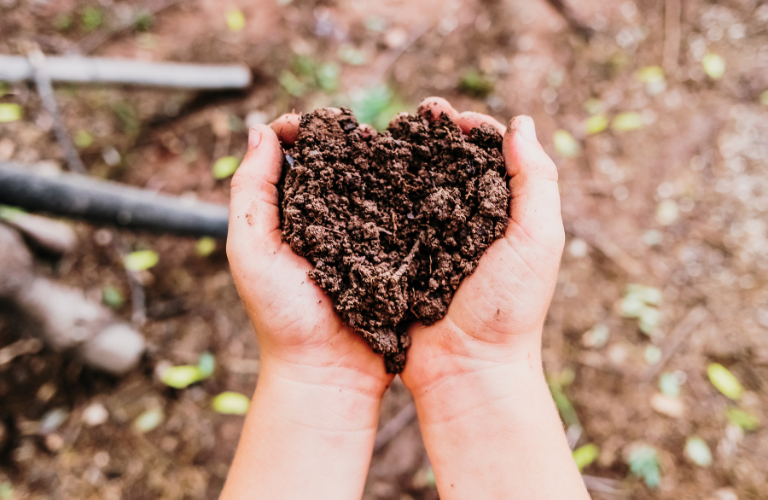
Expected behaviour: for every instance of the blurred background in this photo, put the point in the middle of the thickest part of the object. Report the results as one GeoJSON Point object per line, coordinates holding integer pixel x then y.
{"type": "Point", "coordinates": [656, 344]}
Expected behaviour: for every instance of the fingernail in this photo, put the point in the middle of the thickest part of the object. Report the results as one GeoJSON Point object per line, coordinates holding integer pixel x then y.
{"type": "Point", "coordinates": [254, 137]}
{"type": "Point", "coordinates": [524, 124]}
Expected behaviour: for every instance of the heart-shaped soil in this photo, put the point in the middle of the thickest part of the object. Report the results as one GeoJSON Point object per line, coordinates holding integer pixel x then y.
{"type": "Point", "coordinates": [394, 222]}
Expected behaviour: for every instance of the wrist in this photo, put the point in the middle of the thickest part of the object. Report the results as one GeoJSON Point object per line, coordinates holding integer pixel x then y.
{"type": "Point", "coordinates": [322, 397]}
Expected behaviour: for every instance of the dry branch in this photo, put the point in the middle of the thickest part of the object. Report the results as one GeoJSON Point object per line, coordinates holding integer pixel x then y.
{"type": "Point", "coordinates": [126, 71]}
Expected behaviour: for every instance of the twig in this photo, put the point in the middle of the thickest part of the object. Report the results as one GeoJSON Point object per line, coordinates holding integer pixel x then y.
{"type": "Point", "coordinates": [607, 247]}
{"type": "Point", "coordinates": [672, 12]}
{"type": "Point", "coordinates": [564, 10]}
{"type": "Point", "coordinates": [19, 348]}
{"type": "Point", "coordinates": [407, 261]}
{"type": "Point", "coordinates": [394, 426]}
{"type": "Point", "coordinates": [602, 484]}
{"type": "Point", "coordinates": [675, 339]}
{"type": "Point", "coordinates": [95, 40]}
{"type": "Point", "coordinates": [45, 89]}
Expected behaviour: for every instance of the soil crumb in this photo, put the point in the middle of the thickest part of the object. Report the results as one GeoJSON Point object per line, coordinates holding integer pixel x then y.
{"type": "Point", "coordinates": [394, 222]}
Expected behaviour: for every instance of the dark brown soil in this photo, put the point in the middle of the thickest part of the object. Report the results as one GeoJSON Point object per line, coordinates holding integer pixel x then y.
{"type": "Point", "coordinates": [394, 222]}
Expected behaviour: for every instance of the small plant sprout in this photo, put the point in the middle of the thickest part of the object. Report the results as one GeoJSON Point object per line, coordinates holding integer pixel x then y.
{"type": "Point", "coordinates": [669, 385]}
{"type": "Point", "coordinates": [697, 450]}
{"type": "Point", "coordinates": [141, 260]}
{"type": "Point", "coordinates": [231, 403]}
{"type": "Point", "coordinates": [205, 246]}
{"type": "Point", "coordinates": [714, 65]}
{"type": "Point", "coordinates": [596, 337]}
{"type": "Point", "coordinates": [224, 167]}
{"type": "Point", "coordinates": [565, 144]}
{"type": "Point", "coordinates": [643, 462]}
{"type": "Point", "coordinates": [741, 418]}
{"type": "Point", "coordinates": [595, 124]}
{"type": "Point", "coordinates": [585, 455]}
{"type": "Point", "coordinates": [180, 377]}
{"type": "Point", "coordinates": [653, 78]}
{"type": "Point", "coordinates": [725, 381]}
{"type": "Point", "coordinates": [235, 20]}
{"type": "Point", "coordinates": [624, 122]}
{"type": "Point", "coordinates": [10, 112]}
{"type": "Point", "coordinates": [640, 302]}
{"type": "Point", "coordinates": [149, 420]}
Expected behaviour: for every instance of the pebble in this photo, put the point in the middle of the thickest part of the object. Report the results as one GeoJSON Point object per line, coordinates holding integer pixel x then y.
{"type": "Point", "coordinates": [95, 414]}
{"type": "Point", "coordinates": [117, 349]}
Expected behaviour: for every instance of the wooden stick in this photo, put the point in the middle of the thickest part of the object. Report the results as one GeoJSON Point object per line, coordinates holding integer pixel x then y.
{"type": "Point", "coordinates": [126, 71]}
{"type": "Point", "coordinates": [675, 339]}
{"type": "Point", "coordinates": [45, 89]}
{"type": "Point", "coordinates": [394, 426]}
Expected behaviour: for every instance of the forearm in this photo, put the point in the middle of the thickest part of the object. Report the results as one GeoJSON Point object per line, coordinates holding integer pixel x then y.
{"type": "Point", "coordinates": [495, 434]}
{"type": "Point", "coordinates": [303, 440]}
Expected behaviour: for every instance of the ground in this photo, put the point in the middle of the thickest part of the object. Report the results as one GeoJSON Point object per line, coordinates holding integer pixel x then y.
{"type": "Point", "coordinates": [672, 197]}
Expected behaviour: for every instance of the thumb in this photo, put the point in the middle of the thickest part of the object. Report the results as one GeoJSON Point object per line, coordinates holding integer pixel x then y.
{"type": "Point", "coordinates": [535, 207]}
{"type": "Point", "coordinates": [254, 214]}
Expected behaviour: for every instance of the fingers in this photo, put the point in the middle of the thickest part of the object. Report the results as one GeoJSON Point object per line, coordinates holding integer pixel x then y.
{"type": "Point", "coordinates": [535, 208]}
{"type": "Point", "coordinates": [286, 127]}
{"type": "Point", "coordinates": [432, 107]}
{"type": "Point", "coordinates": [469, 120]}
{"type": "Point", "coordinates": [254, 215]}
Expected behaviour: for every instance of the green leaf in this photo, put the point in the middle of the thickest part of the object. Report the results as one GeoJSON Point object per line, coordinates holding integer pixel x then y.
{"type": "Point", "coordinates": [291, 84]}
{"type": "Point", "coordinates": [647, 294]}
{"type": "Point", "coordinates": [476, 84]}
{"type": "Point", "coordinates": [669, 385]}
{"type": "Point", "coordinates": [112, 297]}
{"type": "Point", "coordinates": [6, 491]}
{"type": "Point", "coordinates": [650, 74]}
{"type": "Point", "coordinates": [231, 403]}
{"type": "Point", "coordinates": [564, 406]}
{"type": "Point", "coordinates": [351, 55]}
{"type": "Point", "coordinates": [644, 462]}
{"type": "Point", "coordinates": [9, 112]}
{"type": "Point", "coordinates": [650, 318]}
{"type": "Point", "coordinates": [652, 354]}
{"type": "Point", "coordinates": [714, 65]}
{"type": "Point", "coordinates": [697, 450]}
{"type": "Point", "coordinates": [375, 106]}
{"type": "Point", "coordinates": [724, 381]}
{"type": "Point", "coordinates": [83, 139]}
{"type": "Point", "coordinates": [328, 77]}
{"type": "Point", "coordinates": [180, 377]}
{"type": "Point", "coordinates": [10, 213]}
{"type": "Point", "coordinates": [742, 418]}
{"type": "Point", "coordinates": [764, 98]}
{"type": "Point", "coordinates": [224, 167]}
{"type": "Point", "coordinates": [632, 307]}
{"type": "Point", "coordinates": [235, 20]}
{"type": "Point", "coordinates": [205, 246]}
{"type": "Point", "coordinates": [206, 365]}
{"type": "Point", "coordinates": [593, 106]}
{"type": "Point", "coordinates": [92, 18]}
{"type": "Point", "coordinates": [585, 455]}
{"type": "Point", "coordinates": [141, 260]}
{"type": "Point", "coordinates": [595, 124]}
{"type": "Point", "coordinates": [149, 420]}
{"type": "Point", "coordinates": [565, 144]}
{"type": "Point", "coordinates": [631, 120]}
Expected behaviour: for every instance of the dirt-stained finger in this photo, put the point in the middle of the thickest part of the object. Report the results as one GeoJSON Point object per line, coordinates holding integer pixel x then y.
{"type": "Point", "coordinates": [469, 120]}
{"type": "Point", "coordinates": [432, 107]}
{"type": "Point", "coordinates": [286, 127]}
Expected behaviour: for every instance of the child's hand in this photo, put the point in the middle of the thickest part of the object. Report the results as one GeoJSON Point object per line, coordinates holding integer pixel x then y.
{"type": "Point", "coordinates": [299, 333]}
{"type": "Point", "coordinates": [497, 314]}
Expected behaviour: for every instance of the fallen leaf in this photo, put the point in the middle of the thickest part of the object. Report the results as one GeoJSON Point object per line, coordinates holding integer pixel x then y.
{"type": "Point", "coordinates": [724, 381]}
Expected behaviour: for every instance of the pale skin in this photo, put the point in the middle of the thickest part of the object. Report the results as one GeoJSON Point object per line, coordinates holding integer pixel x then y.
{"type": "Point", "coordinates": [489, 424]}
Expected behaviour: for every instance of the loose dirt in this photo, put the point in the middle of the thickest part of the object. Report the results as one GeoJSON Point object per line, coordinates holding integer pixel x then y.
{"type": "Point", "coordinates": [392, 222]}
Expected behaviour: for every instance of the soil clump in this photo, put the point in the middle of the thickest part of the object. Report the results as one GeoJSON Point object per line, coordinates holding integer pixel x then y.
{"type": "Point", "coordinates": [392, 223]}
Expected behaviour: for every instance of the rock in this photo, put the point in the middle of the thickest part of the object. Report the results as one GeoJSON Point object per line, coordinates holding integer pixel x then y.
{"type": "Point", "coordinates": [117, 349]}
{"type": "Point", "coordinates": [666, 405]}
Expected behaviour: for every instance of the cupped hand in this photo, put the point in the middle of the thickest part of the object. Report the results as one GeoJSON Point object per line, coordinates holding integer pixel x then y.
{"type": "Point", "coordinates": [300, 335]}
{"type": "Point", "coordinates": [497, 314]}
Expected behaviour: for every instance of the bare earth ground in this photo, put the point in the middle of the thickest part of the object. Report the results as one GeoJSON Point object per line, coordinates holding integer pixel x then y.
{"type": "Point", "coordinates": [702, 149]}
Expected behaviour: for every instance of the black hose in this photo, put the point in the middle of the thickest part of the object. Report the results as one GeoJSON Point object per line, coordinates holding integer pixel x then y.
{"type": "Point", "coordinates": [72, 195]}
